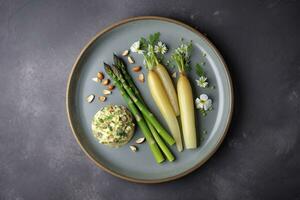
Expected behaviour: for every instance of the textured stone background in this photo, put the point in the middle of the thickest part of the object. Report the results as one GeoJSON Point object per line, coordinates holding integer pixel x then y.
{"type": "Point", "coordinates": [40, 159]}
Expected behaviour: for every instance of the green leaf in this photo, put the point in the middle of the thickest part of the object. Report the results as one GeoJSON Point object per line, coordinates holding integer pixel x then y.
{"type": "Point", "coordinates": [153, 39]}
{"type": "Point", "coordinates": [199, 70]}
{"type": "Point", "coordinates": [147, 45]}
{"type": "Point", "coordinates": [143, 44]}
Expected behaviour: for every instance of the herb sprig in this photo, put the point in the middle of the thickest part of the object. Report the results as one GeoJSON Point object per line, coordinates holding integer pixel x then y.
{"type": "Point", "coordinates": [151, 48]}
{"type": "Point", "coordinates": [181, 56]}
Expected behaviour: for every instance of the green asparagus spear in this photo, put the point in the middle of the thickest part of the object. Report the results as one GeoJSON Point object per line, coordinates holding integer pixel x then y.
{"type": "Point", "coordinates": [139, 119]}
{"type": "Point", "coordinates": [121, 66]}
{"type": "Point", "coordinates": [161, 144]}
{"type": "Point", "coordinates": [119, 63]}
{"type": "Point", "coordinates": [143, 108]}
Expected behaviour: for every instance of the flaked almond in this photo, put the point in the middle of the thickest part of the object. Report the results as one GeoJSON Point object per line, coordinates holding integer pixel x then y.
{"type": "Point", "coordinates": [110, 87]}
{"type": "Point", "coordinates": [125, 53]}
{"type": "Point", "coordinates": [106, 92]}
{"type": "Point", "coordinates": [141, 78]}
{"type": "Point", "coordinates": [100, 76]}
{"type": "Point", "coordinates": [102, 98]}
{"type": "Point", "coordinates": [140, 140]}
{"type": "Point", "coordinates": [105, 82]}
{"type": "Point", "coordinates": [130, 59]}
{"type": "Point", "coordinates": [133, 148]}
{"type": "Point", "coordinates": [174, 75]}
{"type": "Point", "coordinates": [96, 79]}
{"type": "Point", "coordinates": [90, 98]}
{"type": "Point", "coordinates": [136, 68]}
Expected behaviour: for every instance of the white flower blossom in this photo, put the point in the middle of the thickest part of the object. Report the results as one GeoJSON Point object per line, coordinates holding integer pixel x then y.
{"type": "Point", "coordinates": [160, 48]}
{"type": "Point", "coordinates": [183, 48]}
{"type": "Point", "coordinates": [135, 47]}
{"type": "Point", "coordinates": [202, 82]}
{"type": "Point", "coordinates": [203, 102]}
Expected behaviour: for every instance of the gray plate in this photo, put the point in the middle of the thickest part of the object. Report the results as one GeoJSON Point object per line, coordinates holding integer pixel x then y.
{"type": "Point", "coordinates": [140, 166]}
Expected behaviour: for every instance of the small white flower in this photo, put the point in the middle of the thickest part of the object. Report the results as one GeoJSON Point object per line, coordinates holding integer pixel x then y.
{"type": "Point", "coordinates": [202, 82]}
{"type": "Point", "coordinates": [178, 51]}
{"type": "Point", "coordinates": [203, 102]}
{"type": "Point", "coordinates": [160, 48]}
{"type": "Point", "coordinates": [135, 47]}
{"type": "Point", "coordinates": [182, 49]}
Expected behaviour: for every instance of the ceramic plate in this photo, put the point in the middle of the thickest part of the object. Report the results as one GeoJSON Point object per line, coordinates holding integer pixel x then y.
{"type": "Point", "coordinates": [140, 166]}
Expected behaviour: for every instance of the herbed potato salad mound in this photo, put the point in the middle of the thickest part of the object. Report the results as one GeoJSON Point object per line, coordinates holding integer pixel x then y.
{"type": "Point", "coordinates": [113, 125]}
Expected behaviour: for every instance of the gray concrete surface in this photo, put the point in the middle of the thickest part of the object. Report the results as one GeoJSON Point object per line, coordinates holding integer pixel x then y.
{"type": "Point", "coordinates": [40, 159]}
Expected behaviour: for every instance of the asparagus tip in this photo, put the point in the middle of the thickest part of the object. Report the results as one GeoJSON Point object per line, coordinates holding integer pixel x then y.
{"type": "Point", "coordinates": [118, 61]}
{"type": "Point", "coordinates": [106, 67]}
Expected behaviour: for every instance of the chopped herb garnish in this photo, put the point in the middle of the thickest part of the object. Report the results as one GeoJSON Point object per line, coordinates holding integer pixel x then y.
{"type": "Point", "coordinates": [121, 133]}
{"type": "Point", "coordinates": [108, 117]}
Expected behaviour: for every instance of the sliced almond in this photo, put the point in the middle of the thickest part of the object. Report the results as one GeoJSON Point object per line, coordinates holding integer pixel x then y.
{"type": "Point", "coordinates": [105, 82]}
{"type": "Point", "coordinates": [130, 59]}
{"type": "Point", "coordinates": [133, 148]}
{"type": "Point", "coordinates": [110, 87]}
{"type": "Point", "coordinates": [141, 78]}
{"type": "Point", "coordinates": [102, 98]}
{"type": "Point", "coordinates": [100, 75]}
{"type": "Point", "coordinates": [136, 68]}
{"type": "Point", "coordinates": [90, 98]}
{"type": "Point", "coordinates": [125, 53]}
{"type": "Point", "coordinates": [140, 140]}
{"type": "Point", "coordinates": [174, 75]}
{"type": "Point", "coordinates": [96, 79]}
{"type": "Point", "coordinates": [106, 92]}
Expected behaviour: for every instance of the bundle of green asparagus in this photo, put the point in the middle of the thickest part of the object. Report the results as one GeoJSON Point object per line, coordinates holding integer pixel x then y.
{"type": "Point", "coordinates": [151, 128]}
